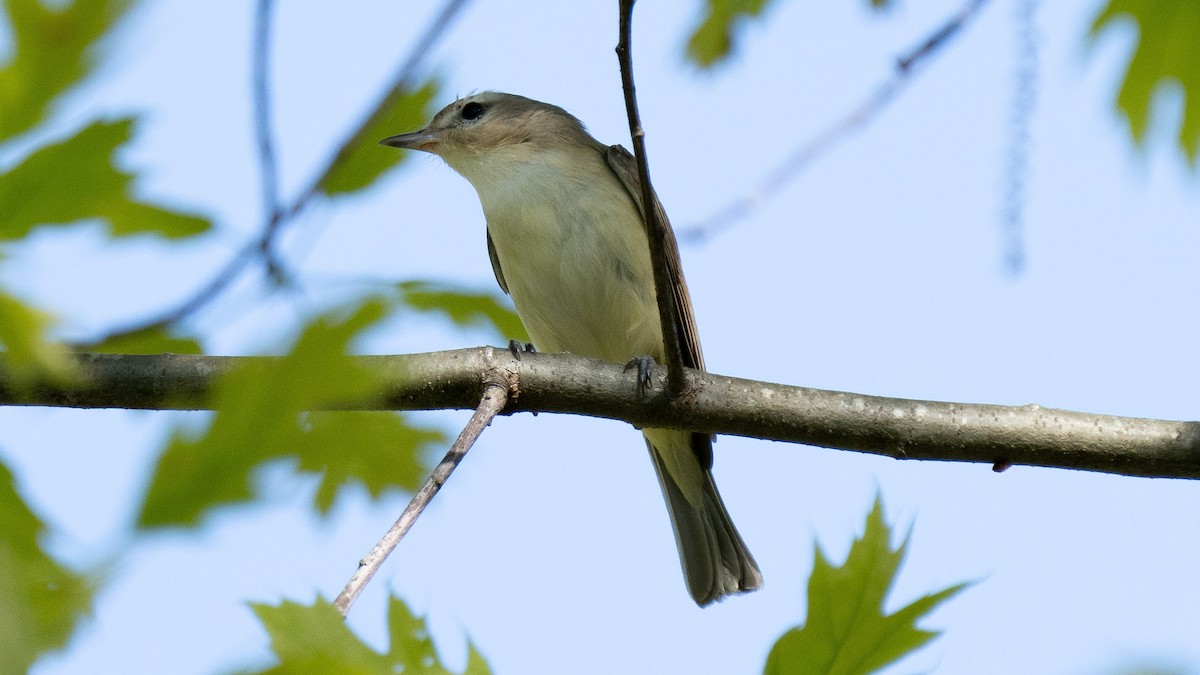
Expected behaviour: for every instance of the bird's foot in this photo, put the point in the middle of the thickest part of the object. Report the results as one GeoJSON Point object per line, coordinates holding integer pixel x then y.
{"type": "Point", "coordinates": [516, 347]}
{"type": "Point", "coordinates": [645, 368]}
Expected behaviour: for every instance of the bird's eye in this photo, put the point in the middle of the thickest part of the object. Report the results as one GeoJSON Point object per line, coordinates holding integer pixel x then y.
{"type": "Point", "coordinates": [472, 111]}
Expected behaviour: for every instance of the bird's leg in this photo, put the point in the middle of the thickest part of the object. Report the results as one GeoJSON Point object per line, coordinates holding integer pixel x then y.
{"type": "Point", "coordinates": [645, 367]}
{"type": "Point", "coordinates": [516, 347]}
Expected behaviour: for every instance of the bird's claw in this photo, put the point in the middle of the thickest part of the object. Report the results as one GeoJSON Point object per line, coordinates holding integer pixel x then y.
{"type": "Point", "coordinates": [516, 347]}
{"type": "Point", "coordinates": [645, 368]}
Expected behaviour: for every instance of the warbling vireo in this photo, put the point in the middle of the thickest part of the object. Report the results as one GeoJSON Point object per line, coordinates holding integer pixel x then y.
{"type": "Point", "coordinates": [567, 242]}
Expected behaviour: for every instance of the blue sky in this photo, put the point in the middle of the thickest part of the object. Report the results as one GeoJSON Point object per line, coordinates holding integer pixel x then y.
{"type": "Point", "coordinates": [880, 270]}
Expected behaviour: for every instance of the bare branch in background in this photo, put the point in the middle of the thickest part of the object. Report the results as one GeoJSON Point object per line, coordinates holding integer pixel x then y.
{"type": "Point", "coordinates": [866, 112]}
{"type": "Point", "coordinates": [262, 130]}
{"type": "Point", "coordinates": [495, 397]}
{"type": "Point", "coordinates": [277, 215]}
{"type": "Point", "coordinates": [1016, 171]}
{"type": "Point", "coordinates": [401, 81]}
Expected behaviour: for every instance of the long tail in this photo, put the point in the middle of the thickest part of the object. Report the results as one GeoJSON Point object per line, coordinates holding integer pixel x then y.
{"type": "Point", "coordinates": [716, 562]}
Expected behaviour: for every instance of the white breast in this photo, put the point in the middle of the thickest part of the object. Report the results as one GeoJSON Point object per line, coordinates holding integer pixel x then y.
{"type": "Point", "coordinates": [573, 252]}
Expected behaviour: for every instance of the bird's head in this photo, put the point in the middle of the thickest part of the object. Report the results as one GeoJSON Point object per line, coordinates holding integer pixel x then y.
{"type": "Point", "coordinates": [488, 131]}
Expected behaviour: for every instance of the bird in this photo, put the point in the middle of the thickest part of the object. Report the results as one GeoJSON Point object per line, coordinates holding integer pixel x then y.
{"type": "Point", "coordinates": [567, 240]}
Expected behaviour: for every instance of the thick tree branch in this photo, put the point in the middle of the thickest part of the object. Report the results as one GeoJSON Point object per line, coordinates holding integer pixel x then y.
{"type": "Point", "coordinates": [564, 383]}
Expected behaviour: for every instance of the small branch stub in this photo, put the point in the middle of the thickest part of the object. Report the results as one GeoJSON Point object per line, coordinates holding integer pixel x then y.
{"type": "Point", "coordinates": [495, 397]}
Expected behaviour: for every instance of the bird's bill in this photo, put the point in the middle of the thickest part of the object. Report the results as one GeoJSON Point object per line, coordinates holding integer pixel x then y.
{"type": "Point", "coordinates": [424, 139]}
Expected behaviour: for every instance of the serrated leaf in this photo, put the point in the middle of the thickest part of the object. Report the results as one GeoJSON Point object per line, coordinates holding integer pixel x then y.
{"type": "Point", "coordinates": [464, 307]}
{"type": "Point", "coordinates": [76, 179]}
{"type": "Point", "coordinates": [52, 51]}
{"type": "Point", "coordinates": [476, 664]}
{"type": "Point", "coordinates": [27, 350]}
{"type": "Point", "coordinates": [411, 647]}
{"type": "Point", "coordinates": [713, 39]}
{"type": "Point", "coordinates": [365, 160]}
{"type": "Point", "coordinates": [847, 631]}
{"type": "Point", "coordinates": [385, 451]}
{"type": "Point", "coordinates": [261, 417]}
{"type": "Point", "coordinates": [42, 600]}
{"type": "Point", "coordinates": [157, 340]}
{"type": "Point", "coordinates": [1167, 53]}
{"type": "Point", "coordinates": [315, 639]}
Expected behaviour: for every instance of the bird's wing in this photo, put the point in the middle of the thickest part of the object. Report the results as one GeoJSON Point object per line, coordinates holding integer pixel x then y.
{"type": "Point", "coordinates": [496, 263]}
{"type": "Point", "coordinates": [625, 167]}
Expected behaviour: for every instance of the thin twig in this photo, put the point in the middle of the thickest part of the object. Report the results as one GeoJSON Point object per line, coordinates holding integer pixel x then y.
{"type": "Point", "coordinates": [655, 231]}
{"type": "Point", "coordinates": [202, 297]}
{"type": "Point", "coordinates": [495, 397]}
{"type": "Point", "coordinates": [267, 164]}
{"type": "Point", "coordinates": [804, 156]}
{"type": "Point", "coordinates": [279, 215]}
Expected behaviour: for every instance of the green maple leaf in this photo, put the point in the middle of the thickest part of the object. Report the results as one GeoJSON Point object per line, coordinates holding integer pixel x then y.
{"type": "Point", "coordinates": [262, 415]}
{"type": "Point", "coordinates": [847, 631]}
{"type": "Point", "coordinates": [76, 179]}
{"type": "Point", "coordinates": [713, 40]}
{"type": "Point", "coordinates": [53, 49]}
{"type": "Point", "coordinates": [315, 639]}
{"type": "Point", "coordinates": [42, 600]}
{"type": "Point", "coordinates": [1167, 54]}
{"type": "Point", "coordinates": [153, 340]}
{"type": "Point", "coordinates": [364, 161]}
{"type": "Point", "coordinates": [463, 307]}
{"type": "Point", "coordinates": [26, 350]}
